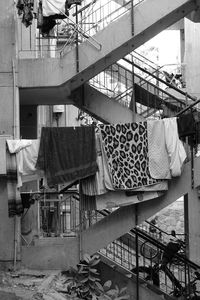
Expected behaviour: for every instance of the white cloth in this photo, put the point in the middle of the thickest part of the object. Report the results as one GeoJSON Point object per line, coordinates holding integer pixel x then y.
{"type": "Point", "coordinates": [158, 156]}
{"type": "Point", "coordinates": [15, 146]}
{"type": "Point", "coordinates": [175, 149]}
{"type": "Point", "coordinates": [53, 7]}
{"type": "Point", "coordinates": [26, 154]}
{"type": "Point", "coordinates": [28, 158]}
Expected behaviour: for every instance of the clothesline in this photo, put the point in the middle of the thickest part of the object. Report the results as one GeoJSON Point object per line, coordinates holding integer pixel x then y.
{"type": "Point", "coordinates": [131, 157]}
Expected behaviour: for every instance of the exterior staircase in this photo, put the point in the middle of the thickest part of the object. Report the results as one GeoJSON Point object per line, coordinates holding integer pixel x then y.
{"type": "Point", "coordinates": [56, 81]}
{"type": "Point", "coordinates": [53, 79]}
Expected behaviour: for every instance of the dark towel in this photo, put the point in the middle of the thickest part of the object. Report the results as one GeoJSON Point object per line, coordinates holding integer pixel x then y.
{"type": "Point", "coordinates": [186, 125]}
{"type": "Point", "coordinates": [14, 200]}
{"type": "Point", "coordinates": [67, 153]}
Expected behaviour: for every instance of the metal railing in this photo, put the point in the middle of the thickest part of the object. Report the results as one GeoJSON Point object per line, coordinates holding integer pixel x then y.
{"type": "Point", "coordinates": [117, 82]}
{"type": "Point", "coordinates": [174, 278]}
{"type": "Point", "coordinates": [103, 13]}
{"type": "Point", "coordinates": [58, 215]}
{"type": "Point", "coordinates": [81, 25]}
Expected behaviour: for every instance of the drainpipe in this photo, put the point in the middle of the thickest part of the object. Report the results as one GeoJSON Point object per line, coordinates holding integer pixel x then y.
{"type": "Point", "coordinates": [16, 135]}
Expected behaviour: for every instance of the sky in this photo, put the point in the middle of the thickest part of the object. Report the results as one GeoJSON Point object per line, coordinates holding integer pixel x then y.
{"type": "Point", "coordinates": [168, 43]}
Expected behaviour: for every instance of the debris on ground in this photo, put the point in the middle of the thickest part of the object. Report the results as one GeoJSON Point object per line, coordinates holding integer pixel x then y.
{"type": "Point", "coordinates": [32, 285]}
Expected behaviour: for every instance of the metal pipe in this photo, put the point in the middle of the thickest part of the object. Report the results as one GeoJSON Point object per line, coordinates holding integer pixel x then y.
{"type": "Point", "coordinates": [15, 135]}
{"type": "Point", "coordinates": [137, 253]}
{"type": "Point", "coordinates": [188, 107]}
{"type": "Point", "coordinates": [77, 47]}
{"type": "Point", "coordinates": [132, 18]}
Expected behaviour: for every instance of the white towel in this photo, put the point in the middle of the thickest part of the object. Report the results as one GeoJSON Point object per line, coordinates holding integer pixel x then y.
{"type": "Point", "coordinates": [158, 156]}
{"type": "Point", "coordinates": [175, 149]}
{"type": "Point", "coordinates": [53, 7]}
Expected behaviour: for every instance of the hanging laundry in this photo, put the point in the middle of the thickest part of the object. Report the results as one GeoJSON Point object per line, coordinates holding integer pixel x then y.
{"type": "Point", "coordinates": [67, 153]}
{"type": "Point", "coordinates": [15, 147]}
{"type": "Point", "coordinates": [87, 203]}
{"type": "Point", "coordinates": [95, 184]}
{"type": "Point", "coordinates": [158, 156]}
{"type": "Point", "coordinates": [54, 7]}
{"type": "Point", "coordinates": [126, 148]}
{"type": "Point", "coordinates": [186, 125]}
{"type": "Point", "coordinates": [27, 200]}
{"type": "Point", "coordinates": [25, 8]}
{"type": "Point", "coordinates": [189, 126]}
{"type": "Point", "coordinates": [15, 206]}
{"type": "Point", "coordinates": [70, 2]}
{"type": "Point", "coordinates": [26, 153]}
{"type": "Point", "coordinates": [175, 149]}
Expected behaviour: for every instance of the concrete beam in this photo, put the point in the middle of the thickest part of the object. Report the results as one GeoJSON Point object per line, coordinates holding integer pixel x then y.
{"type": "Point", "coordinates": [62, 72]}
{"type": "Point", "coordinates": [101, 106]}
{"type": "Point", "coordinates": [44, 96]}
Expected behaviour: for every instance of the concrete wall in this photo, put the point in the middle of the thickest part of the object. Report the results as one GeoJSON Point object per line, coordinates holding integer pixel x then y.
{"type": "Point", "coordinates": [51, 254]}
{"type": "Point", "coordinates": [192, 67]}
{"type": "Point", "coordinates": [7, 92]}
{"type": "Point", "coordinates": [192, 58]}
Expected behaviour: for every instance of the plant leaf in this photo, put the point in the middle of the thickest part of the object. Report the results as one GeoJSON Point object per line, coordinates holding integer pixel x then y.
{"type": "Point", "coordinates": [93, 270]}
{"type": "Point", "coordinates": [87, 257]}
{"type": "Point", "coordinates": [107, 284]}
{"type": "Point", "coordinates": [123, 290]}
{"type": "Point", "coordinates": [84, 280]}
{"type": "Point", "coordinates": [95, 262]}
{"type": "Point", "coordinates": [111, 292]}
{"type": "Point", "coordinates": [100, 287]}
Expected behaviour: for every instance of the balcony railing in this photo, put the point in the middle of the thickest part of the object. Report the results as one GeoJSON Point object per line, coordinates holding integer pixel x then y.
{"type": "Point", "coordinates": [82, 24]}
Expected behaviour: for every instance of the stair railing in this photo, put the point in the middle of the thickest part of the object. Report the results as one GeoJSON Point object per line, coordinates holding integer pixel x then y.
{"type": "Point", "coordinates": [173, 279]}
{"type": "Point", "coordinates": [103, 13]}
{"type": "Point", "coordinates": [116, 82]}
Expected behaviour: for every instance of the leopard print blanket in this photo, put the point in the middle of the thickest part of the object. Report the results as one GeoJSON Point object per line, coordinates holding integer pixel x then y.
{"type": "Point", "coordinates": [126, 149]}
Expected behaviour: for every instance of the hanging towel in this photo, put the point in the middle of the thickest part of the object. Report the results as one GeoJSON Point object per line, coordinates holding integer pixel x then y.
{"type": "Point", "coordinates": [186, 125]}
{"type": "Point", "coordinates": [95, 185]}
{"type": "Point", "coordinates": [26, 154]}
{"type": "Point", "coordinates": [14, 200]}
{"type": "Point", "coordinates": [53, 7]}
{"type": "Point", "coordinates": [175, 149]}
{"type": "Point", "coordinates": [158, 156]}
{"type": "Point", "coordinates": [67, 153]}
{"type": "Point", "coordinates": [126, 148]}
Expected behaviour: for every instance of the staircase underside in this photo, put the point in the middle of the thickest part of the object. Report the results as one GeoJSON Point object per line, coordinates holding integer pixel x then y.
{"type": "Point", "coordinates": [37, 76]}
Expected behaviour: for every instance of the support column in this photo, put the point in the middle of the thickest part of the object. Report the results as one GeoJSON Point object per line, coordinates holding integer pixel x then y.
{"type": "Point", "coordinates": [194, 225]}
{"type": "Point", "coordinates": [7, 117]}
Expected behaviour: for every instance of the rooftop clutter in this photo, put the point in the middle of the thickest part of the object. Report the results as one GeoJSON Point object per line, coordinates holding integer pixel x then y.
{"type": "Point", "coordinates": [133, 159]}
